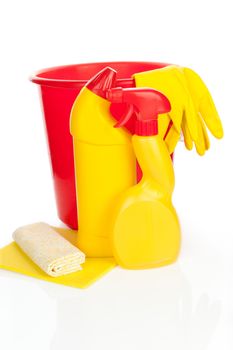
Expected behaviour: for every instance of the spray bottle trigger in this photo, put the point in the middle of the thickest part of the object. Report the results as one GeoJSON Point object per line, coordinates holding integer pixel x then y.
{"type": "Point", "coordinates": [126, 117]}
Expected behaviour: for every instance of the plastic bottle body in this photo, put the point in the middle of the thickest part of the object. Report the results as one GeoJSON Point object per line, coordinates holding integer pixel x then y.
{"type": "Point", "coordinates": [105, 166]}
{"type": "Point", "coordinates": [146, 230]}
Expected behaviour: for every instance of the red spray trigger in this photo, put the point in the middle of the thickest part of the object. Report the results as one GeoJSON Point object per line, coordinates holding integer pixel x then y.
{"type": "Point", "coordinates": [146, 103]}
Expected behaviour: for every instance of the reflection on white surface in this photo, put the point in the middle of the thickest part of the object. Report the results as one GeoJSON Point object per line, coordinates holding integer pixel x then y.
{"type": "Point", "coordinates": [149, 309]}
{"type": "Point", "coordinates": [135, 310]}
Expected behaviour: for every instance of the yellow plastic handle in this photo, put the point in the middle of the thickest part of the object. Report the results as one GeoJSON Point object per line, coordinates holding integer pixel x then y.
{"type": "Point", "coordinates": [155, 161]}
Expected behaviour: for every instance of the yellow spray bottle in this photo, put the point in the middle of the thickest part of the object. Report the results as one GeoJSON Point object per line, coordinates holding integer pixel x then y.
{"type": "Point", "coordinates": [105, 163]}
{"type": "Point", "coordinates": [145, 226]}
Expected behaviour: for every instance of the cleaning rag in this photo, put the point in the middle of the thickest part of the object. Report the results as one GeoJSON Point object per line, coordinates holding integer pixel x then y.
{"type": "Point", "coordinates": [49, 250]}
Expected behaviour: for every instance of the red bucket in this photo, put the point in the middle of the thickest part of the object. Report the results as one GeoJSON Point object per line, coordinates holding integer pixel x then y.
{"type": "Point", "coordinates": [59, 86]}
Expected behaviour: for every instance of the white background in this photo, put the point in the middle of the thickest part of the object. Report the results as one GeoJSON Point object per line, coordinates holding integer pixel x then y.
{"type": "Point", "coordinates": [188, 305]}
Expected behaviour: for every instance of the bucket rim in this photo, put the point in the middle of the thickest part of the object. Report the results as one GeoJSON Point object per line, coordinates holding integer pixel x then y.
{"type": "Point", "coordinates": [37, 77]}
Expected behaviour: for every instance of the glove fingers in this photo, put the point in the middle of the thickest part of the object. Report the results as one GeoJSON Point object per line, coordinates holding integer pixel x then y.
{"type": "Point", "coordinates": [187, 137]}
{"type": "Point", "coordinates": [210, 115]}
{"type": "Point", "coordinates": [200, 144]}
{"type": "Point", "coordinates": [205, 134]}
{"type": "Point", "coordinates": [191, 119]}
{"type": "Point", "coordinates": [200, 150]}
{"type": "Point", "coordinates": [203, 102]}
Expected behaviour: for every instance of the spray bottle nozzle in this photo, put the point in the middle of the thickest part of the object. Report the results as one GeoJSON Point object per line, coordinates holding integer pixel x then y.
{"type": "Point", "coordinates": [102, 82]}
{"type": "Point", "coordinates": [146, 103]}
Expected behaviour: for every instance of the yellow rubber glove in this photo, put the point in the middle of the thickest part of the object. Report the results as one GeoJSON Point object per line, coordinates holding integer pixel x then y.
{"type": "Point", "coordinates": [206, 113]}
{"type": "Point", "coordinates": [192, 106]}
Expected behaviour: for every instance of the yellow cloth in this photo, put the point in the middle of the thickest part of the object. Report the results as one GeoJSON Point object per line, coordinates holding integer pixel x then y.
{"type": "Point", "coordinates": [192, 106]}
{"type": "Point", "coordinates": [12, 258]}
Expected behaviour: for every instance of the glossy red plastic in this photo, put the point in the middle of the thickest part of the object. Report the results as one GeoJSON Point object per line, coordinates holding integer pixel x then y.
{"type": "Point", "coordinates": [145, 103]}
{"type": "Point", "coordinates": [59, 86]}
{"type": "Point", "coordinates": [102, 82]}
